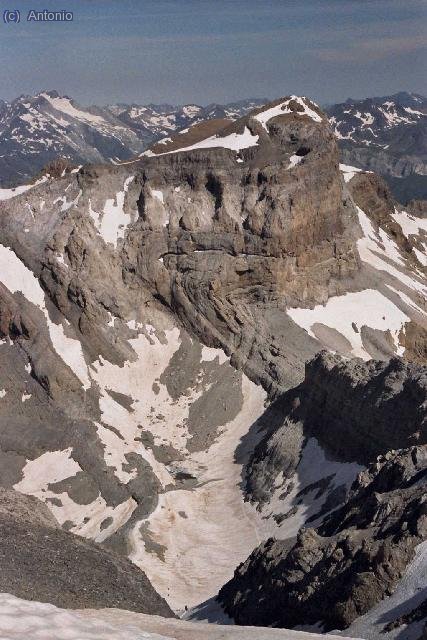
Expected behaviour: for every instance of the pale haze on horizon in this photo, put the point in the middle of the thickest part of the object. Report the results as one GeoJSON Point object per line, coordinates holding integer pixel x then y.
{"type": "Point", "coordinates": [218, 51]}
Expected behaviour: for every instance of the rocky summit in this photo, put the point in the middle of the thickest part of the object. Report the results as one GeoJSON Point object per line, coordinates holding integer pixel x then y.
{"type": "Point", "coordinates": [212, 378]}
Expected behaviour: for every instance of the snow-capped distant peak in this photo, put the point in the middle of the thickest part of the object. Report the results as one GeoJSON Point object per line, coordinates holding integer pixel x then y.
{"type": "Point", "coordinates": [34, 130]}
{"type": "Point", "coordinates": [376, 122]}
{"type": "Point", "coordinates": [65, 106]}
{"type": "Point", "coordinates": [191, 110]}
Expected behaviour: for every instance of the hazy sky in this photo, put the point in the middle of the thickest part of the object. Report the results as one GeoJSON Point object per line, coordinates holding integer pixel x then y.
{"type": "Point", "coordinates": [203, 51]}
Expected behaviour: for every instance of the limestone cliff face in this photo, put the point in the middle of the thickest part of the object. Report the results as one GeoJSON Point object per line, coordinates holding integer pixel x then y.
{"type": "Point", "coordinates": [239, 237]}
{"type": "Point", "coordinates": [226, 239]}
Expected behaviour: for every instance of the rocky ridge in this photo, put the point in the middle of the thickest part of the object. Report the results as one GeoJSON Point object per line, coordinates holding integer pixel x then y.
{"type": "Point", "coordinates": [334, 574]}
{"type": "Point", "coordinates": [356, 410]}
{"type": "Point", "coordinates": [385, 134]}
{"type": "Point", "coordinates": [358, 552]}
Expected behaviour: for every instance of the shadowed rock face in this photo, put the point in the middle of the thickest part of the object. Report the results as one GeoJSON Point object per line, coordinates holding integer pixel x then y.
{"type": "Point", "coordinates": [41, 562]}
{"type": "Point", "coordinates": [356, 411]}
{"type": "Point", "coordinates": [332, 575]}
{"type": "Point", "coordinates": [360, 410]}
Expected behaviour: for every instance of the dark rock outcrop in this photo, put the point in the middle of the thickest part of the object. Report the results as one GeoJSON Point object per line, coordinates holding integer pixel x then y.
{"type": "Point", "coordinates": [332, 575]}
{"type": "Point", "coordinates": [356, 410]}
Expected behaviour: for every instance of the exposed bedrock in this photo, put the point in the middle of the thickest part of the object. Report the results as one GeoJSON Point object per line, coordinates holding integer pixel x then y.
{"type": "Point", "coordinates": [371, 193]}
{"type": "Point", "coordinates": [117, 278]}
{"type": "Point", "coordinates": [227, 245]}
{"type": "Point", "coordinates": [356, 410]}
{"type": "Point", "coordinates": [370, 412]}
{"type": "Point", "coordinates": [334, 574]}
{"type": "Point", "coordinates": [226, 240]}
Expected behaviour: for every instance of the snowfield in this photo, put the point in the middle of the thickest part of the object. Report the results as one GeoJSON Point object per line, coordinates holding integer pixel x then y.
{"type": "Point", "coordinates": [201, 558]}
{"type": "Point", "coordinates": [25, 620]}
{"type": "Point", "coordinates": [64, 106]}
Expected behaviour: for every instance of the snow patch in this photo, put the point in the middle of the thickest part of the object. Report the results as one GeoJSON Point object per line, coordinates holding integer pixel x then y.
{"type": "Point", "coordinates": [364, 308]}
{"type": "Point", "coordinates": [50, 467]}
{"type": "Point", "coordinates": [17, 277]}
{"type": "Point", "coordinates": [54, 466]}
{"type": "Point", "coordinates": [113, 221]}
{"type": "Point", "coordinates": [234, 141]}
{"type": "Point", "coordinates": [283, 108]}
{"type": "Point", "coordinates": [349, 171]}
{"type": "Point", "coordinates": [23, 619]}
{"type": "Point", "coordinates": [64, 105]}
{"type": "Point", "coordinates": [381, 252]}
{"type": "Point", "coordinates": [158, 194]}
{"type": "Point", "coordinates": [7, 194]}
{"type": "Point", "coordinates": [410, 225]}
{"type": "Point", "coordinates": [294, 160]}
{"type": "Point", "coordinates": [312, 468]}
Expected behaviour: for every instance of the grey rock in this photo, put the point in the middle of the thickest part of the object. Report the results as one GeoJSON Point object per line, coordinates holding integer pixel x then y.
{"type": "Point", "coordinates": [334, 574]}
{"type": "Point", "coordinates": [356, 410]}
{"type": "Point", "coordinates": [39, 561]}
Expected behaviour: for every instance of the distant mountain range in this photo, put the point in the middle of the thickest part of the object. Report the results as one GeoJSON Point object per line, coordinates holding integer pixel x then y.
{"type": "Point", "coordinates": [34, 130]}
{"type": "Point", "coordinates": [387, 135]}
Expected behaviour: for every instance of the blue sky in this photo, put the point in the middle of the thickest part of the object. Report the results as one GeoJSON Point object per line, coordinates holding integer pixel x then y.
{"type": "Point", "coordinates": [202, 51]}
